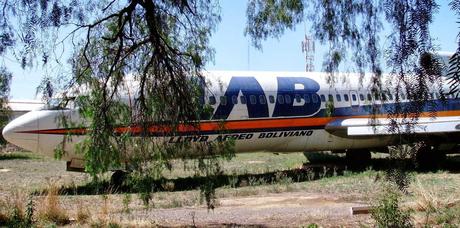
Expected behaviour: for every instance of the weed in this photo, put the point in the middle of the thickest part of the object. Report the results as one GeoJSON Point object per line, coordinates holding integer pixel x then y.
{"type": "Point", "coordinates": [347, 173]}
{"type": "Point", "coordinates": [252, 181]}
{"type": "Point", "coordinates": [176, 202]}
{"type": "Point", "coordinates": [334, 174]}
{"type": "Point", "coordinates": [28, 219]}
{"type": "Point", "coordinates": [104, 209]}
{"type": "Point", "coordinates": [82, 214]}
{"type": "Point", "coordinates": [126, 202]}
{"type": "Point", "coordinates": [113, 225]}
{"type": "Point", "coordinates": [99, 224]}
{"type": "Point", "coordinates": [448, 217]}
{"type": "Point", "coordinates": [282, 178]}
{"type": "Point", "coordinates": [312, 225]}
{"type": "Point", "coordinates": [145, 198]}
{"type": "Point", "coordinates": [324, 173]}
{"type": "Point", "coordinates": [18, 155]}
{"type": "Point", "coordinates": [50, 209]}
{"type": "Point", "coordinates": [310, 174]}
{"type": "Point", "coordinates": [233, 180]}
{"type": "Point", "coordinates": [15, 215]}
{"type": "Point", "coordinates": [387, 212]}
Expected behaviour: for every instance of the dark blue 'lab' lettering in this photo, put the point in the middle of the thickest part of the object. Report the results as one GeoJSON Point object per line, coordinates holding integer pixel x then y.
{"type": "Point", "coordinates": [248, 86]}
{"type": "Point", "coordinates": [286, 86]}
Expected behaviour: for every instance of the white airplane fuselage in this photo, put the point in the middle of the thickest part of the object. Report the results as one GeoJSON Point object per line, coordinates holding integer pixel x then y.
{"type": "Point", "coordinates": [262, 111]}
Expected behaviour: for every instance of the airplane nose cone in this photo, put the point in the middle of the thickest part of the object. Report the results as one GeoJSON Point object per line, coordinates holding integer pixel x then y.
{"type": "Point", "coordinates": [20, 131]}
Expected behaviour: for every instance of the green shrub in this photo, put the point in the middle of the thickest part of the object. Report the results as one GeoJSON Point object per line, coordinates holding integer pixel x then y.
{"type": "Point", "coordinates": [388, 213]}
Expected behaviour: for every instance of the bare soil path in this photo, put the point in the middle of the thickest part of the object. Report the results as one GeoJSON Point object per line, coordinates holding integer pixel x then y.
{"type": "Point", "coordinates": [273, 210]}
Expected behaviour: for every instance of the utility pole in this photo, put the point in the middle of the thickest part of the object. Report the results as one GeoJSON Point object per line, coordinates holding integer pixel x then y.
{"type": "Point", "coordinates": [308, 47]}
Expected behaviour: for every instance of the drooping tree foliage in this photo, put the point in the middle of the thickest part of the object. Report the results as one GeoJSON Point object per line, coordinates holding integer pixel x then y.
{"type": "Point", "coordinates": [152, 52]}
{"type": "Point", "coordinates": [353, 30]}
{"type": "Point", "coordinates": [356, 27]}
{"type": "Point", "coordinates": [453, 71]}
{"type": "Point", "coordinates": [5, 80]}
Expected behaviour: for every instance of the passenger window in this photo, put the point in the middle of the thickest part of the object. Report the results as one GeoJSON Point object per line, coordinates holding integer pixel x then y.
{"type": "Point", "coordinates": [234, 99]}
{"type": "Point", "coordinates": [314, 98]}
{"type": "Point", "coordinates": [243, 100]}
{"type": "Point", "coordinates": [345, 97]}
{"type": "Point", "coordinates": [376, 97]}
{"type": "Point", "coordinates": [390, 96]}
{"type": "Point", "coordinates": [330, 98]}
{"type": "Point", "coordinates": [323, 98]}
{"type": "Point", "coordinates": [369, 97]}
{"type": "Point", "coordinates": [212, 100]}
{"type": "Point", "coordinates": [280, 99]}
{"type": "Point", "coordinates": [262, 99]}
{"type": "Point", "coordinates": [223, 100]}
{"type": "Point", "coordinates": [306, 97]}
{"type": "Point", "coordinates": [361, 97]}
{"type": "Point", "coordinates": [271, 98]}
{"type": "Point", "coordinates": [287, 99]}
{"type": "Point", "coordinates": [338, 97]}
{"type": "Point", "coordinates": [298, 99]}
{"type": "Point", "coordinates": [384, 97]}
{"type": "Point", "coordinates": [353, 96]}
{"type": "Point", "coordinates": [403, 96]}
{"type": "Point", "coordinates": [253, 99]}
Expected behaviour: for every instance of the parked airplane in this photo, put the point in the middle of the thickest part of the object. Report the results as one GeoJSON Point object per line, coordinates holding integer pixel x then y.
{"type": "Point", "coordinates": [273, 112]}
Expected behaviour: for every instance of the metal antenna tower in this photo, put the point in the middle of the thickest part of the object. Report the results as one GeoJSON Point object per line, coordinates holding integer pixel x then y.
{"type": "Point", "coordinates": [308, 47]}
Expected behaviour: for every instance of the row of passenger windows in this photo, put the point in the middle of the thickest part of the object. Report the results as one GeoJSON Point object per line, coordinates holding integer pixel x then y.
{"type": "Point", "coordinates": [362, 97]}
{"type": "Point", "coordinates": [312, 98]}
{"type": "Point", "coordinates": [261, 99]}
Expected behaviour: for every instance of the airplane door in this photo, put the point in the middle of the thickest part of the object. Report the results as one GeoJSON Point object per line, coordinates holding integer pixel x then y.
{"type": "Point", "coordinates": [354, 99]}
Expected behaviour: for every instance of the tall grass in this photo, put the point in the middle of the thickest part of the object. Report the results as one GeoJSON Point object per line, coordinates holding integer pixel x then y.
{"type": "Point", "coordinates": [15, 212]}
{"type": "Point", "coordinates": [49, 209]}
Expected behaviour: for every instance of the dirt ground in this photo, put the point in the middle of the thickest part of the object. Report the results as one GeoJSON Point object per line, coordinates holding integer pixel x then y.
{"type": "Point", "coordinates": [286, 209]}
{"type": "Point", "coordinates": [281, 209]}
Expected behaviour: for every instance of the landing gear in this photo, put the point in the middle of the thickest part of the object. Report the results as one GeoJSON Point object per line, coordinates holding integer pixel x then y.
{"type": "Point", "coordinates": [358, 159]}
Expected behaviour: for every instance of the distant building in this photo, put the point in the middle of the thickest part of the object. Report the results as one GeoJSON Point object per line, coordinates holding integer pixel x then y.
{"type": "Point", "coordinates": [20, 107]}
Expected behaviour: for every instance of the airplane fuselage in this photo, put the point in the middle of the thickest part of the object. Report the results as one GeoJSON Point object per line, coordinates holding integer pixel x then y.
{"type": "Point", "coordinates": [261, 111]}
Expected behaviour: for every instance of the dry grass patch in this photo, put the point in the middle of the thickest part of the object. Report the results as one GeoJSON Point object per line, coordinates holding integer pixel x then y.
{"type": "Point", "coordinates": [426, 198]}
{"type": "Point", "coordinates": [436, 198]}
{"type": "Point", "coordinates": [49, 208]}
{"type": "Point", "coordinates": [83, 214]}
{"type": "Point", "coordinates": [16, 211]}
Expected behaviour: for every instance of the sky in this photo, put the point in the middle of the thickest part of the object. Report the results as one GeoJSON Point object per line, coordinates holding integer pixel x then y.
{"type": "Point", "coordinates": [233, 51]}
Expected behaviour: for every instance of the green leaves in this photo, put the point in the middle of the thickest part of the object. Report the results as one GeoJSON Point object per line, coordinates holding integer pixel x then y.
{"type": "Point", "coordinates": [271, 18]}
{"type": "Point", "coordinates": [453, 74]}
{"type": "Point", "coordinates": [5, 80]}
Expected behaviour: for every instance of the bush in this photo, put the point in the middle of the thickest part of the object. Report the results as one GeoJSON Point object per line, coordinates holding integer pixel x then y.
{"type": "Point", "coordinates": [387, 212]}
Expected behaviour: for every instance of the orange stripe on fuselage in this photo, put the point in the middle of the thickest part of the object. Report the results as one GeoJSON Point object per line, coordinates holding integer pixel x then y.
{"type": "Point", "coordinates": [265, 123]}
